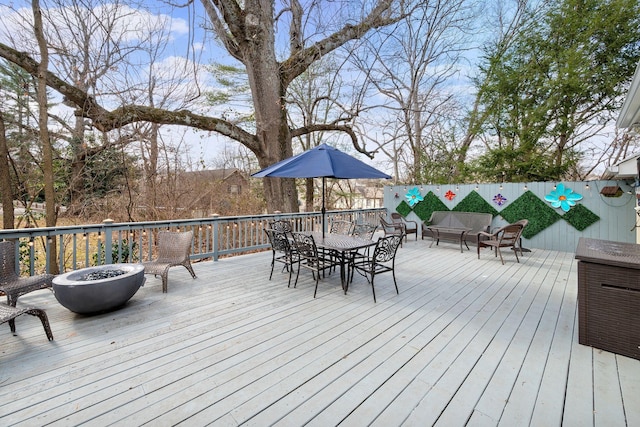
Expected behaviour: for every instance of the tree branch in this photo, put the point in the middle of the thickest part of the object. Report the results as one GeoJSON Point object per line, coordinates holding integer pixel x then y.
{"type": "Point", "coordinates": [105, 120]}
{"type": "Point", "coordinates": [299, 61]}
{"type": "Point", "coordinates": [323, 127]}
{"type": "Point", "coordinates": [231, 15]}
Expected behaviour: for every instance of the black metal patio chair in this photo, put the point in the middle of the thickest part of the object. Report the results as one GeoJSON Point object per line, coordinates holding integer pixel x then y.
{"type": "Point", "coordinates": [383, 260]}
{"type": "Point", "coordinates": [282, 251]}
{"type": "Point", "coordinates": [312, 259]}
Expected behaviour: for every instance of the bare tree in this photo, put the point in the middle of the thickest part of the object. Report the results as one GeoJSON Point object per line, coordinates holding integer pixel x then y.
{"type": "Point", "coordinates": [43, 127]}
{"type": "Point", "coordinates": [412, 67]}
{"type": "Point", "coordinates": [248, 32]}
{"type": "Point", "coordinates": [316, 96]}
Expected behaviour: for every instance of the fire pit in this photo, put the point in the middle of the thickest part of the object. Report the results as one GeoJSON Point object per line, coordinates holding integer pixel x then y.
{"type": "Point", "coordinates": [98, 289]}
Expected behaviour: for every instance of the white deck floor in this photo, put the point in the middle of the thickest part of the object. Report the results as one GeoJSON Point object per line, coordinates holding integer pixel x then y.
{"type": "Point", "coordinates": [466, 341]}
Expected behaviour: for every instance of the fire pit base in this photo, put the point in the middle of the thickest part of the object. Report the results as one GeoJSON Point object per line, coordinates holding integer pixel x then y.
{"type": "Point", "coordinates": [86, 296]}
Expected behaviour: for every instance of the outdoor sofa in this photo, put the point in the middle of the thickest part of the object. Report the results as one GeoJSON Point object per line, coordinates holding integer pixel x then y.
{"type": "Point", "coordinates": [456, 226]}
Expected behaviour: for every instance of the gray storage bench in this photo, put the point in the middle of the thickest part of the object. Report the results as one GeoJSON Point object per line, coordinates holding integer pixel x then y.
{"type": "Point", "coordinates": [456, 226]}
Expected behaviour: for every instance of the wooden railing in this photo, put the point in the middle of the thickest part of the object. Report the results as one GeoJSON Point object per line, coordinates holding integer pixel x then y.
{"type": "Point", "coordinates": [106, 243]}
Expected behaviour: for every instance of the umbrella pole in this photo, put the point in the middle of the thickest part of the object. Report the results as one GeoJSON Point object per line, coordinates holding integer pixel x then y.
{"type": "Point", "coordinates": [323, 210]}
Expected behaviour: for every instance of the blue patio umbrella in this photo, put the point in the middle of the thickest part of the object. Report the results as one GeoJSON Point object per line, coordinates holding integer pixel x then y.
{"type": "Point", "coordinates": [323, 162]}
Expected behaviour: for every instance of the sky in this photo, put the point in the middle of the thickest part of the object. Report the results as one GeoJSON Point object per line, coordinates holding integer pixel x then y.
{"type": "Point", "coordinates": [188, 49]}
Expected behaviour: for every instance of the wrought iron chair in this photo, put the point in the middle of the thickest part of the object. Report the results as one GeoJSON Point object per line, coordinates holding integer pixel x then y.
{"type": "Point", "coordinates": [281, 225]}
{"type": "Point", "coordinates": [504, 237]}
{"type": "Point", "coordinates": [339, 226]}
{"type": "Point", "coordinates": [9, 313]}
{"type": "Point", "coordinates": [383, 260]}
{"type": "Point", "coordinates": [364, 231]}
{"type": "Point", "coordinates": [311, 259]}
{"type": "Point", "coordinates": [14, 286]}
{"type": "Point", "coordinates": [282, 251]}
{"type": "Point", "coordinates": [173, 250]}
{"type": "Point", "coordinates": [408, 226]}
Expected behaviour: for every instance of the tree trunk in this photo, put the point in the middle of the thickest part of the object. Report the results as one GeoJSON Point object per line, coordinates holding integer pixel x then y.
{"type": "Point", "coordinates": [47, 149]}
{"type": "Point", "coordinates": [5, 180]}
{"type": "Point", "coordinates": [78, 161]}
{"type": "Point", "coordinates": [268, 92]}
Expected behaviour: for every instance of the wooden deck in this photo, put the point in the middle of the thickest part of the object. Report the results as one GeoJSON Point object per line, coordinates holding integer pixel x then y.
{"type": "Point", "coordinates": [466, 341]}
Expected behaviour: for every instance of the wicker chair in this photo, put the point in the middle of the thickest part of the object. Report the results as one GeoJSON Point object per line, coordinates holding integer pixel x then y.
{"type": "Point", "coordinates": [9, 314]}
{"type": "Point", "coordinates": [391, 229]}
{"type": "Point", "coordinates": [383, 260]}
{"type": "Point", "coordinates": [504, 237]}
{"type": "Point", "coordinates": [173, 250]}
{"type": "Point", "coordinates": [282, 251]}
{"type": "Point", "coordinates": [11, 284]}
{"type": "Point", "coordinates": [409, 227]}
{"type": "Point", "coordinates": [524, 223]}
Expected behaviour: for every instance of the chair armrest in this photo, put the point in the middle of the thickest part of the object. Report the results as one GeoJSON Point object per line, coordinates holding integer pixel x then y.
{"type": "Point", "coordinates": [415, 224]}
{"type": "Point", "coordinates": [485, 234]}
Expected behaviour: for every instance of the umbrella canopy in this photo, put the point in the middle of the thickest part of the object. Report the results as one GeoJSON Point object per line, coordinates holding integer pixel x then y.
{"type": "Point", "coordinates": [323, 162]}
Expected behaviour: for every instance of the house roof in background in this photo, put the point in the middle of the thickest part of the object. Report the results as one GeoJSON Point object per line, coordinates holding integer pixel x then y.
{"type": "Point", "coordinates": [215, 174]}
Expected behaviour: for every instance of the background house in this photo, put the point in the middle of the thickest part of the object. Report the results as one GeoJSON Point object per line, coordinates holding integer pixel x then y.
{"type": "Point", "coordinates": [211, 191]}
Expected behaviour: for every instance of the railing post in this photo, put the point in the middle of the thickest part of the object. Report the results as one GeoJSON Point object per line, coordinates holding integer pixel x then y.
{"type": "Point", "coordinates": [214, 227]}
{"type": "Point", "coordinates": [108, 256]}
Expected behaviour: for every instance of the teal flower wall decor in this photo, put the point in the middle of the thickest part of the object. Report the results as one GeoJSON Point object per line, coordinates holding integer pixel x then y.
{"type": "Point", "coordinates": [413, 196]}
{"type": "Point", "coordinates": [562, 197]}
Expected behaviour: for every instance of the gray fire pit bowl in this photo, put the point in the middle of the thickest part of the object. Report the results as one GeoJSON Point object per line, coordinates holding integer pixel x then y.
{"type": "Point", "coordinates": [94, 296]}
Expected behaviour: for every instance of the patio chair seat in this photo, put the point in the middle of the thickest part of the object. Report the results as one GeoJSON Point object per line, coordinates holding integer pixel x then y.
{"type": "Point", "coordinates": [11, 284]}
{"type": "Point", "coordinates": [173, 250]}
{"type": "Point", "coordinates": [9, 314]}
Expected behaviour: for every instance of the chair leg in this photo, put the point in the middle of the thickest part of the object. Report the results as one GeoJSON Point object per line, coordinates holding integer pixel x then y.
{"type": "Point", "coordinates": [12, 302]}
{"type": "Point", "coordinates": [273, 262]}
{"type": "Point", "coordinates": [498, 251]}
{"type": "Point", "coordinates": [317, 280]}
{"type": "Point", "coordinates": [290, 268]}
{"type": "Point", "coordinates": [393, 273]}
{"type": "Point", "coordinates": [165, 279]}
{"type": "Point", "coordinates": [190, 268]}
{"type": "Point", "coordinates": [373, 276]}
{"type": "Point", "coordinates": [42, 315]}
{"type": "Point", "coordinates": [297, 275]}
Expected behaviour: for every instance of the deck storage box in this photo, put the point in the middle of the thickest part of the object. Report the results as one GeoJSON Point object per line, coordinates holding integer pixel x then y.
{"type": "Point", "coordinates": [609, 295]}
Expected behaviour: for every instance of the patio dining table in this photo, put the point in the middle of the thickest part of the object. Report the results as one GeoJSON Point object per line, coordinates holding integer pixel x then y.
{"type": "Point", "coordinates": [344, 245]}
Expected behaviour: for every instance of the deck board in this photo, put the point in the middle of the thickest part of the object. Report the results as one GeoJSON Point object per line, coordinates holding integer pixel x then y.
{"type": "Point", "coordinates": [467, 341]}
